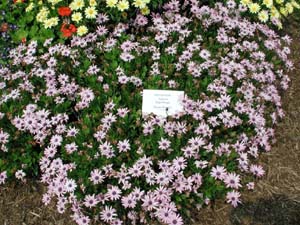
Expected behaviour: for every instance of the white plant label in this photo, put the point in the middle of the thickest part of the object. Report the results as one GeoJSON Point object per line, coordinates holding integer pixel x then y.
{"type": "Point", "coordinates": [162, 102]}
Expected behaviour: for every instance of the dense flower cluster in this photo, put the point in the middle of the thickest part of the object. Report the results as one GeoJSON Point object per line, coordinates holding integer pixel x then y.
{"type": "Point", "coordinates": [77, 13]}
{"type": "Point", "coordinates": [123, 5]}
{"type": "Point", "coordinates": [5, 28]}
{"type": "Point", "coordinates": [79, 104]}
{"type": "Point", "coordinates": [271, 10]}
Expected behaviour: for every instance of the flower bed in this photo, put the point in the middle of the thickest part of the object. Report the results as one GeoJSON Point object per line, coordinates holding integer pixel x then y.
{"type": "Point", "coordinates": [76, 109]}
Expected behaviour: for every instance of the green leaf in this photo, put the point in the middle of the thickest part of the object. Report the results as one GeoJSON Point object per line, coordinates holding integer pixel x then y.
{"type": "Point", "coordinates": [20, 34]}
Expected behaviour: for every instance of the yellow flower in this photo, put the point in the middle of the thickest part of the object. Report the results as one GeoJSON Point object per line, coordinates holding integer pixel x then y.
{"type": "Point", "coordinates": [123, 5]}
{"type": "Point", "coordinates": [139, 3]}
{"type": "Point", "coordinates": [93, 2]}
{"type": "Point", "coordinates": [82, 30]}
{"type": "Point", "coordinates": [76, 17]}
{"type": "Point", "coordinates": [44, 10]}
{"type": "Point", "coordinates": [279, 1]}
{"type": "Point", "coordinates": [254, 7]}
{"type": "Point", "coordinates": [245, 2]}
{"type": "Point", "coordinates": [145, 11]}
{"type": "Point", "coordinates": [77, 4]}
{"type": "Point", "coordinates": [289, 7]}
{"type": "Point", "coordinates": [111, 3]}
{"type": "Point", "coordinates": [295, 4]}
{"type": "Point", "coordinates": [274, 13]}
{"type": "Point", "coordinates": [29, 7]}
{"type": "Point", "coordinates": [51, 22]}
{"type": "Point", "coordinates": [42, 15]}
{"type": "Point", "coordinates": [268, 3]}
{"type": "Point", "coordinates": [284, 11]}
{"type": "Point", "coordinates": [263, 16]}
{"type": "Point", "coordinates": [40, 2]}
{"type": "Point", "coordinates": [90, 12]}
{"type": "Point", "coordinates": [54, 2]}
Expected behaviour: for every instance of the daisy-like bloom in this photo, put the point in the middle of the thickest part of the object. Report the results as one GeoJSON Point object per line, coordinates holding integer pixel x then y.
{"type": "Point", "coordinates": [82, 30]}
{"type": "Point", "coordinates": [76, 17]}
{"type": "Point", "coordinates": [51, 22]}
{"type": "Point", "coordinates": [124, 146]}
{"type": "Point", "coordinates": [164, 214]}
{"type": "Point", "coordinates": [175, 219]}
{"type": "Point", "coordinates": [83, 220]}
{"type": "Point", "coordinates": [111, 3]}
{"type": "Point", "coordinates": [93, 2]}
{"type": "Point", "coordinates": [106, 149]}
{"type": "Point", "coordinates": [127, 57]}
{"type": "Point", "coordinates": [141, 20]}
{"type": "Point", "coordinates": [250, 185]}
{"type": "Point", "coordinates": [149, 202]}
{"type": "Point", "coordinates": [139, 3]}
{"type": "Point", "coordinates": [56, 140]}
{"type": "Point", "coordinates": [70, 148]}
{"type": "Point", "coordinates": [122, 112]}
{"type": "Point", "coordinates": [232, 180]}
{"type": "Point", "coordinates": [218, 172]}
{"type": "Point", "coordinates": [145, 11]}
{"type": "Point", "coordinates": [180, 163]}
{"type": "Point", "coordinates": [268, 3]}
{"type": "Point", "coordinates": [127, 46]}
{"type": "Point", "coordinates": [3, 137]}
{"type": "Point", "coordinates": [231, 4]}
{"type": "Point", "coordinates": [77, 4]}
{"type": "Point", "coordinates": [102, 18]}
{"type": "Point", "coordinates": [72, 131]}
{"type": "Point", "coordinates": [263, 16]}
{"type": "Point", "coordinates": [101, 30]}
{"type": "Point", "coordinates": [90, 201]}
{"type": "Point", "coordinates": [257, 170]}
{"type": "Point", "coordinates": [3, 176]}
{"type": "Point", "coordinates": [163, 178]}
{"type": "Point", "coordinates": [196, 142]}
{"type": "Point", "coordinates": [135, 171]}
{"type": "Point", "coordinates": [93, 69]}
{"type": "Point", "coordinates": [46, 199]}
{"type": "Point", "coordinates": [96, 177]}
{"type": "Point", "coordinates": [128, 201]}
{"type": "Point", "coordinates": [254, 7]}
{"type": "Point", "coordinates": [90, 12]}
{"type": "Point", "coordinates": [148, 128]}
{"type": "Point", "coordinates": [108, 214]}
{"type": "Point", "coordinates": [20, 174]}
{"type": "Point", "coordinates": [113, 193]}
{"type": "Point", "coordinates": [233, 197]}
{"type": "Point", "coordinates": [201, 164]}
{"type": "Point", "coordinates": [50, 151]}
{"type": "Point", "coordinates": [70, 185]}
{"type": "Point", "coordinates": [123, 5]}
{"type": "Point", "coordinates": [87, 95]}
{"type": "Point", "coordinates": [164, 144]}
{"type": "Point", "coordinates": [205, 54]}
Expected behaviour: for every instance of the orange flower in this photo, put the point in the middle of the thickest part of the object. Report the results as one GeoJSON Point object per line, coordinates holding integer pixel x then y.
{"type": "Point", "coordinates": [19, 1]}
{"type": "Point", "coordinates": [4, 27]}
{"type": "Point", "coordinates": [68, 29]}
{"type": "Point", "coordinates": [64, 11]}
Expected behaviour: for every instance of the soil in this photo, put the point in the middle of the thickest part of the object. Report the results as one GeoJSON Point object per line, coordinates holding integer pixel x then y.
{"type": "Point", "coordinates": [275, 200]}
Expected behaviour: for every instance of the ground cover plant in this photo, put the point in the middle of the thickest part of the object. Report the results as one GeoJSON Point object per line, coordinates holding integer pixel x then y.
{"type": "Point", "coordinates": [71, 112]}
{"type": "Point", "coordinates": [60, 19]}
